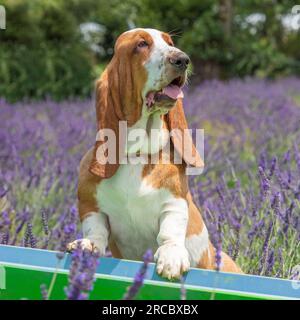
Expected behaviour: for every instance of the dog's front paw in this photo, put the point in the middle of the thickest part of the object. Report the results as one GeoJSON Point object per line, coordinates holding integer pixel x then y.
{"type": "Point", "coordinates": [86, 244]}
{"type": "Point", "coordinates": [172, 260]}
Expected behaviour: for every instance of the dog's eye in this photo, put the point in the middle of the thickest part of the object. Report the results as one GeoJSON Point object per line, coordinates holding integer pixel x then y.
{"type": "Point", "coordinates": [143, 44]}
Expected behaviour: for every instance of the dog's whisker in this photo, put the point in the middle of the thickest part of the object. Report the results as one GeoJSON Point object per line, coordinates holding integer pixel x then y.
{"type": "Point", "coordinates": [175, 33]}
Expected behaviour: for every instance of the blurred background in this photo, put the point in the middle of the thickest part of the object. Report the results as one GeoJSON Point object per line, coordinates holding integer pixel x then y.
{"type": "Point", "coordinates": [57, 48]}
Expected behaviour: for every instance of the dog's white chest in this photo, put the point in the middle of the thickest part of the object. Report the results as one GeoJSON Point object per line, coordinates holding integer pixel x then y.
{"type": "Point", "coordinates": [133, 207]}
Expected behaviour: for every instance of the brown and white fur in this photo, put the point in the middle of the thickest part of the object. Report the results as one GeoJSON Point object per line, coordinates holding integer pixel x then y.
{"type": "Point", "coordinates": [133, 207]}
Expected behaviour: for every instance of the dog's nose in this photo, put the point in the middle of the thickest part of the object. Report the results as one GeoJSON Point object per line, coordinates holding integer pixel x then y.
{"type": "Point", "coordinates": [179, 60]}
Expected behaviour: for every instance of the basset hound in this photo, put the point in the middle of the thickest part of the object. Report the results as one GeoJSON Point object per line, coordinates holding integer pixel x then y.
{"type": "Point", "coordinates": [131, 207]}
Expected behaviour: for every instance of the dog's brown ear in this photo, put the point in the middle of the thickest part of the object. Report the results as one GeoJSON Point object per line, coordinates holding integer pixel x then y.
{"type": "Point", "coordinates": [181, 138]}
{"type": "Point", "coordinates": [107, 112]}
{"type": "Point", "coordinates": [118, 98]}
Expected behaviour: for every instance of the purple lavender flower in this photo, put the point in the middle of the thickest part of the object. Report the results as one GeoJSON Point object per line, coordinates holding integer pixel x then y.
{"type": "Point", "coordinates": [29, 238]}
{"type": "Point", "coordinates": [287, 157]}
{"type": "Point", "coordinates": [218, 243]}
{"type": "Point", "coordinates": [81, 276]}
{"type": "Point", "coordinates": [270, 262]}
{"type": "Point", "coordinates": [273, 167]}
{"type": "Point", "coordinates": [284, 184]}
{"type": "Point", "coordinates": [139, 277]}
{"type": "Point", "coordinates": [4, 238]}
{"type": "Point", "coordinates": [45, 222]}
{"type": "Point", "coordinates": [276, 205]}
{"type": "Point", "coordinates": [66, 228]}
{"type": "Point", "coordinates": [45, 228]}
{"type": "Point", "coordinates": [218, 255]}
{"type": "Point", "coordinates": [265, 249]}
{"type": "Point", "coordinates": [263, 161]}
{"type": "Point", "coordinates": [287, 218]}
{"type": "Point", "coordinates": [5, 223]}
{"type": "Point", "coordinates": [265, 183]}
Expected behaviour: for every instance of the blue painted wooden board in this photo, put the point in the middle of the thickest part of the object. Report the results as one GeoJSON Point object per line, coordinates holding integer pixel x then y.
{"type": "Point", "coordinates": [119, 274]}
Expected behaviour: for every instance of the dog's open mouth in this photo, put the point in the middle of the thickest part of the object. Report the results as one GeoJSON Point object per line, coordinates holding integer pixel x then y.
{"type": "Point", "coordinates": [167, 95]}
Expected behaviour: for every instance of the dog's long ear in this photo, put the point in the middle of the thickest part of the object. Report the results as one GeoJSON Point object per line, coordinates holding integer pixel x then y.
{"type": "Point", "coordinates": [126, 78]}
{"type": "Point", "coordinates": [118, 98]}
{"type": "Point", "coordinates": [181, 138]}
{"type": "Point", "coordinates": [108, 114]}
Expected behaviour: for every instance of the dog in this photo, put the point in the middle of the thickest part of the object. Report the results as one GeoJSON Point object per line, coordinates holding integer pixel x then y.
{"type": "Point", "coordinates": [131, 207]}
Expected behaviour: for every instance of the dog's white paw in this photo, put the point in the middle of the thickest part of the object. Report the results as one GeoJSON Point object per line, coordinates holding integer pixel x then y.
{"type": "Point", "coordinates": [86, 244]}
{"type": "Point", "coordinates": [172, 260]}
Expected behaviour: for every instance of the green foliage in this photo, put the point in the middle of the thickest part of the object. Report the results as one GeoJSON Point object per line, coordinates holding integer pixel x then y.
{"type": "Point", "coordinates": [42, 54]}
{"type": "Point", "coordinates": [47, 71]}
{"type": "Point", "coordinates": [217, 34]}
{"type": "Point", "coordinates": [216, 40]}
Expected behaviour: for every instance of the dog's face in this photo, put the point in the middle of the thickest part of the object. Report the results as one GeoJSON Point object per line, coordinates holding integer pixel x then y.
{"type": "Point", "coordinates": [164, 67]}
{"type": "Point", "coordinates": [167, 69]}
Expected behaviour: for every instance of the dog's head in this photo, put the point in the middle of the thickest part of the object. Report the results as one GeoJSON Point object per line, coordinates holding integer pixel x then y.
{"type": "Point", "coordinates": [145, 75]}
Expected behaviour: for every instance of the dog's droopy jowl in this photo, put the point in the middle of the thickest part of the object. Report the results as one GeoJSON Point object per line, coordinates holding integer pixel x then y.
{"type": "Point", "coordinates": [134, 207]}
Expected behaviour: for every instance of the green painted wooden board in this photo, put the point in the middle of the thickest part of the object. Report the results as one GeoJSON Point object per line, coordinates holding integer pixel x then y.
{"type": "Point", "coordinates": [25, 269]}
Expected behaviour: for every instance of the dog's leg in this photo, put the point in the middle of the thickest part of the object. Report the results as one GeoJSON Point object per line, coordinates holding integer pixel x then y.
{"type": "Point", "coordinates": [208, 261]}
{"type": "Point", "coordinates": [202, 252]}
{"type": "Point", "coordinates": [228, 265]}
{"type": "Point", "coordinates": [172, 256]}
{"type": "Point", "coordinates": [95, 230]}
{"type": "Point", "coordinates": [114, 249]}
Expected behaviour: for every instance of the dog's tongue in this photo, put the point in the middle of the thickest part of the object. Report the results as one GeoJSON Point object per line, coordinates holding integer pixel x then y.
{"type": "Point", "coordinates": [173, 91]}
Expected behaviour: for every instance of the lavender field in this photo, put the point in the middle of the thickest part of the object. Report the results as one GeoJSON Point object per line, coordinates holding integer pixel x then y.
{"type": "Point", "coordinates": [249, 193]}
